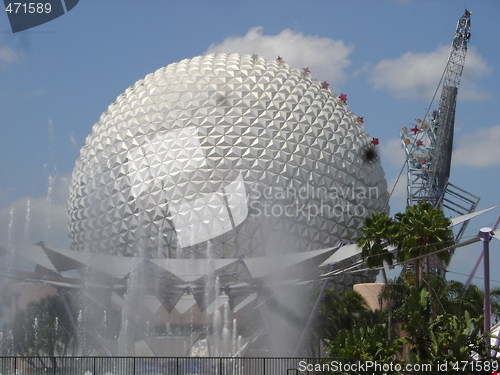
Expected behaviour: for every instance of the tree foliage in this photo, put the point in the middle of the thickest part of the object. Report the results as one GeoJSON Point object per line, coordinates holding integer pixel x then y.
{"type": "Point", "coordinates": [421, 231]}
{"type": "Point", "coordinates": [343, 312]}
{"type": "Point", "coordinates": [438, 321]}
{"type": "Point", "coordinates": [449, 338]}
{"type": "Point", "coordinates": [418, 232]}
{"type": "Point", "coordinates": [43, 329]}
{"type": "Point", "coordinates": [379, 231]}
{"type": "Point", "coordinates": [367, 343]}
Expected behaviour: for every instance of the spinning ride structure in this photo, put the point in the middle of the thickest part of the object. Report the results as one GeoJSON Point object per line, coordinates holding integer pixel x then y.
{"type": "Point", "coordinates": [428, 145]}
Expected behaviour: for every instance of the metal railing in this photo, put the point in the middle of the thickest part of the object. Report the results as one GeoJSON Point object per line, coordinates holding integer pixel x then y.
{"type": "Point", "coordinates": [152, 366]}
{"type": "Point", "coordinates": [205, 366]}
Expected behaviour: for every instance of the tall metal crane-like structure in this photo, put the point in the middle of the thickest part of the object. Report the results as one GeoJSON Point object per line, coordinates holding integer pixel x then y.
{"type": "Point", "coordinates": [428, 145]}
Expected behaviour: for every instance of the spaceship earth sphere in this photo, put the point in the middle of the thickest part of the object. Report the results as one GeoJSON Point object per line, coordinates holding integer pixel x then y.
{"type": "Point", "coordinates": [247, 155]}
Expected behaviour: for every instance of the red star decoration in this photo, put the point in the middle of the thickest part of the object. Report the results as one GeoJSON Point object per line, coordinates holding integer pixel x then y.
{"type": "Point", "coordinates": [306, 70]}
{"type": "Point", "coordinates": [360, 119]}
{"type": "Point", "coordinates": [419, 143]}
{"type": "Point", "coordinates": [324, 85]}
{"type": "Point", "coordinates": [343, 97]}
{"type": "Point", "coordinates": [375, 141]}
{"type": "Point", "coordinates": [415, 130]}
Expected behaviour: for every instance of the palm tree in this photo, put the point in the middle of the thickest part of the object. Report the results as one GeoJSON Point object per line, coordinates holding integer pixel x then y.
{"type": "Point", "coordinates": [452, 297]}
{"type": "Point", "coordinates": [448, 297]}
{"type": "Point", "coordinates": [450, 337]}
{"type": "Point", "coordinates": [423, 230]}
{"type": "Point", "coordinates": [379, 231]}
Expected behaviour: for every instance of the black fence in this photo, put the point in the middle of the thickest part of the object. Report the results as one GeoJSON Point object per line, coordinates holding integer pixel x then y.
{"type": "Point", "coordinates": [154, 366]}
{"type": "Point", "coordinates": [226, 366]}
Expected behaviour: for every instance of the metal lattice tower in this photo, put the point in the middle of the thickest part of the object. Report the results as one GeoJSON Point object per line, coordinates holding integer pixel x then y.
{"type": "Point", "coordinates": [428, 145]}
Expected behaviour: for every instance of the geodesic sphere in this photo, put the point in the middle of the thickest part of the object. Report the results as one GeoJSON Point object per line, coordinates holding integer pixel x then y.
{"type": "Point", "coordinates": [252, 156]}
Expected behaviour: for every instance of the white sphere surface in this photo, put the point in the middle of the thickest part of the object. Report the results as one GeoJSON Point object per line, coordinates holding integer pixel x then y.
{"type": "Point", "coordinates": [252, 156]}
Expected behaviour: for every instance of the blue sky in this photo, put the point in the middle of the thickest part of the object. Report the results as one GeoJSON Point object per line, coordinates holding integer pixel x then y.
{"type": "Point", "coordinates": [387, 56]}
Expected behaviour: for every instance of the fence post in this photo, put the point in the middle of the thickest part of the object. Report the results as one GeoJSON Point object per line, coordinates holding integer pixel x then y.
{"type": "Point", "coordinates": [93, 366]}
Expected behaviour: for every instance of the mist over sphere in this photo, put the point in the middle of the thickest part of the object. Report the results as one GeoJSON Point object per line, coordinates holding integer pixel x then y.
{"type": "Point", "coordinates": [249, 154]}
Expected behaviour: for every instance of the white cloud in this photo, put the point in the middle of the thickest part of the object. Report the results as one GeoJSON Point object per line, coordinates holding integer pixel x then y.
{"type": "Point", "coordinates": [475, 67]}
{"type": "Point", "coordinates": [478, 148]}
{"type": "Point", "coordinates": [417, 75]}
{"type": "Point", "coordinates": [30, 220]}
{"type": "Point", "coordinates": [8, 55]}
{"type": "Point", "coordinates": [392, 153]}
{"type": "Point", "coordinates": [393, 159]}
{"type": "Point", "coordinates": [397, 202]}
{"type": "Point", "coordinates": [326, 58]}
